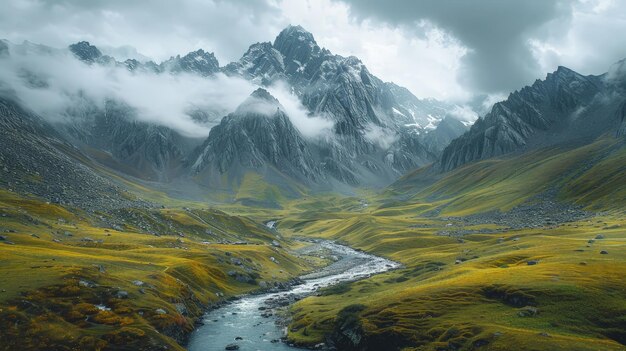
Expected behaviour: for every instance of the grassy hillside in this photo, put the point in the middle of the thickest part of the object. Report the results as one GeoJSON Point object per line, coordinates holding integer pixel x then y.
{"type": "Point", "coordinates": [474, 290]}
{"type": "Point", "coordinates": [473, 279]}
{"type": "Point", "coordinates": [591, 175]}
{"type": "Point", "coordinates": [69, 283]}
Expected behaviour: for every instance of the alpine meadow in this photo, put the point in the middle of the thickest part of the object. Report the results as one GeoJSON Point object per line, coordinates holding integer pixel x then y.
{"type": "Point", "coordinates": [341, 175]}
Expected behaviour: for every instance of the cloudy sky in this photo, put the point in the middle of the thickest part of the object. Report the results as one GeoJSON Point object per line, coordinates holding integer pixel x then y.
{"type": "Point", "coordinates": [452, 50]}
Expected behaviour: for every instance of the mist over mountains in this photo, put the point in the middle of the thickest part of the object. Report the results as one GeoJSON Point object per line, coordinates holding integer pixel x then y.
{"type": "Point", "coordinates": [152, 119]}
{"type": "Point", "coordinates": [288, 111]}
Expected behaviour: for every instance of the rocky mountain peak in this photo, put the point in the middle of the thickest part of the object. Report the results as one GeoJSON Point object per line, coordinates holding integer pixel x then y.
{"type": "Point", "coordinates": [201, 55]}
{"type": "Point", "coordinates": [294, 34]}
{"type": "Point", "coordinates": [261, 64]}
{"type": "Point", "coordinates": [564, 74]}
{"type": "Point", "coordinates": [261, 93]}
{"type": "Point", "coordinates": [559, 107]}
{"type": "Point", "coordinates": [260, 102]}
{"type": "Point", "coordinates": [296, 45]}
{"type": "Point", "coordinates": [85, 51]}
{"type": "Point", "coordinates": [198, 62]}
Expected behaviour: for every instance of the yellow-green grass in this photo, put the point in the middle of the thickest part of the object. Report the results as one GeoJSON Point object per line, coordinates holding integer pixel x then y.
{"type": "Point", "coordinates": [501, 184]}
{"type": "Point", "coordinates": [432, 302]}
{"type": "Point", "coordinates": [45, 303]}
{"type": "Point", "coordinates": [601, 187]}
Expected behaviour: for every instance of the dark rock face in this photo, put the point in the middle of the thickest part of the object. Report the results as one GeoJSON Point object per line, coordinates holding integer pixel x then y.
{"type": "Point", "coordinates": [85, 51]}
{"type": "Point", "coordinates": [408, 151]}
{"type": "Point", "coordinates": [565, 107]}
{"type": "Point", "coordinates": [198, 62]}
{"type": "Point", "coordinates": [348, 333]}
{"type": "Point", "coordinates": [262, 64]}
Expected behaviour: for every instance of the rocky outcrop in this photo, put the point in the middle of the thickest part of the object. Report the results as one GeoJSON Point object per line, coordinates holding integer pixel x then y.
{"type": "Point", "coordinates": [262, 64]}
{"type": "Point", "coordinates": [85, 51]}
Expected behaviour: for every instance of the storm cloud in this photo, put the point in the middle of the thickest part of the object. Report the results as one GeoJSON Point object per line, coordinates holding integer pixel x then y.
{"type": "Point", "coordinates": [451, 50]}
{"type": "Point", "coordinates": [508, 41]}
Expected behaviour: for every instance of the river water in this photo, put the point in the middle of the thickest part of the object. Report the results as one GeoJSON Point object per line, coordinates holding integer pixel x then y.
{"type": "Point", "coordinates": [249, 322]}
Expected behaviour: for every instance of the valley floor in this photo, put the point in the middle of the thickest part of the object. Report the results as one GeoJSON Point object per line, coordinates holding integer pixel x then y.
{"type": "Point", "coordinates": [494, 258]}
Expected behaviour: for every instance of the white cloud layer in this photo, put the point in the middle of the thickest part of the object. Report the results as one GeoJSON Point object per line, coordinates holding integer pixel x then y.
{"type": "Point", "coordinates": [54, 81]}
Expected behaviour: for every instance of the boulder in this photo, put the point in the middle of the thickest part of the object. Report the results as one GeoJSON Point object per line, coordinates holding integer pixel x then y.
{"type": "Point", "coordinates": [122, 294]}
{"type": "Point", "coordinates": [528, 311]}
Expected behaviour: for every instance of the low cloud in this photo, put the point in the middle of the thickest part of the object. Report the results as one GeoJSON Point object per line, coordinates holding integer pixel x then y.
{"type": "Point", "coordinates": [52, 82]}
{"type": "Point", "coordinates": [463, 113]}
{"type": "Point", "coordinates": [381, 136]}
{"type": "Point", "coordinates": [310, 126]}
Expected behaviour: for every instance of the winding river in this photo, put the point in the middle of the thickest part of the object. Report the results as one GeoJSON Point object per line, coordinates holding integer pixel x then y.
{"type": "Point", "coordinates": [249, 322]}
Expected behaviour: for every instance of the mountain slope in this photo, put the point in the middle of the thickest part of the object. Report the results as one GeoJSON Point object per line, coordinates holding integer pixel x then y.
{"type": "Point", "coordinates": [258, 137]}
{"type": "Point", "coordinates": [115, 137]}
{"type": "Point", "coordinates": [565, 107]}
{"type": "Point", "coordinates": [34, 159]}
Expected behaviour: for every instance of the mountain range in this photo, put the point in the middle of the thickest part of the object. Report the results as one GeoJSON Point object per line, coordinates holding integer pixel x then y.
{"type": "Point", "coordinates": [377, 130]}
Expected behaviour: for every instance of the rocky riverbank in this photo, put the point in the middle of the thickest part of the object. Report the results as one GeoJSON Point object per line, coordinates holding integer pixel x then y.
{"type": "Point", "coordinates": [255, 320]}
